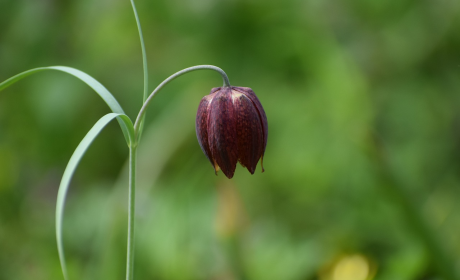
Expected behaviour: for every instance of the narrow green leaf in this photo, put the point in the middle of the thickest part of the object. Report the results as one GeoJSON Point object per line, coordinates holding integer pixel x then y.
{"type": "Point", "coordinates": [90, 81]}
{"type": "Point", "coordinates": [144, 54]}
{"type": "Point", "coordinates": [70, 170]}
{"type": "Point", "coordinates": [144, 63]}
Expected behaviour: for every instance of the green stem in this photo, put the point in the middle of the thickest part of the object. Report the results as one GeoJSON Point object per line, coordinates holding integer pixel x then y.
{"type": "Point", "coordinates": [131, 208]}
{"type": "Point", "coordinates": [141, 114]}
{"type": "Point", "coordinates": [132, 158]}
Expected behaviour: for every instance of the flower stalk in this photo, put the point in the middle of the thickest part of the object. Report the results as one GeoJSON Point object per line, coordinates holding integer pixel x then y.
{"type": "Point", "coordinates": [132, 157]}
{"type": "Point", "coordinates": [131, 212]}
{"type": "Point", "coordinates": [141, 114]}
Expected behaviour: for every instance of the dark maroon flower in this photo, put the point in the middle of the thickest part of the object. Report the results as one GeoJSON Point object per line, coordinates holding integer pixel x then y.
{"type": "Point", "coordinates": [231, 126]}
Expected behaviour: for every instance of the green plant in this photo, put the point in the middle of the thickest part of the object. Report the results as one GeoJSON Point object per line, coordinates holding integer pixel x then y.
{"type": "Point", "coordinates": [132, 133]}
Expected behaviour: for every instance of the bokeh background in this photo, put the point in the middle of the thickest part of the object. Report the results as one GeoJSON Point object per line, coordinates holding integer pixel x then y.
{"type": "Point", "coordinates": [362, 175]}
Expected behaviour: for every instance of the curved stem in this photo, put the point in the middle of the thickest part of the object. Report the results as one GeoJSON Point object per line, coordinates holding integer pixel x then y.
{"type": "Point", "coordinates": [131, 210]}
{"type": "Point", "coordinates": [169, 79]}
{"type": "Point", "coordinates": [132, 158]}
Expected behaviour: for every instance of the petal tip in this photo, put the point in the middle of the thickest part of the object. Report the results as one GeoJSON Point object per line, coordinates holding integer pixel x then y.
{"type": "Point", "coordinates": [216, 167]}
{"type": "Point", "coordinates": [229, 173]}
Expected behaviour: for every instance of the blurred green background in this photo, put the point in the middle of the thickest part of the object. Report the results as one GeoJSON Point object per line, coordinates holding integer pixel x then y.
{"type": "Point", "coordinates": [362, 175]}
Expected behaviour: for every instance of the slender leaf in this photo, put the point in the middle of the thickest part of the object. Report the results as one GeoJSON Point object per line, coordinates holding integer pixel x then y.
{"type": "Point", "coordinates": [70, 170]}
{"type": "Point", "coordinates": [144, 54]}
{"type": "Point", "coordinates": [90, 81]}
{"type": "Point", "coordinates": [144, 64]}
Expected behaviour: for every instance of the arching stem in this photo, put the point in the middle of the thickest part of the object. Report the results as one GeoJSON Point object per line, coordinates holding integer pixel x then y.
{"type": "Point", "coordinates": [141, 114]}
{"type": "Point", "coordinates": [132, 157]}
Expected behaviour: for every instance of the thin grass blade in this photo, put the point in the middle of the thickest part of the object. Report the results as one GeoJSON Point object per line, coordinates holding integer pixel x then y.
{"type": "Point", "coordinates": [90, 81]}
{"type": "Point", "coordinates": [70, 170]}
{"type": "Point", "coordinates": [144, 53]}
{"type": "Point", "coordinates": [144, 64]}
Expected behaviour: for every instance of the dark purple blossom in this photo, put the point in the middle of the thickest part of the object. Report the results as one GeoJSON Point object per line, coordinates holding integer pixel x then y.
{"type": "Point", "coordinates": [231, 127]}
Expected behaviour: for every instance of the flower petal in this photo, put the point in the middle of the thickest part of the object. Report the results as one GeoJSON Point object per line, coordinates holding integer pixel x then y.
{"type": "Point", "coordinates": [201, 126]}
{"type": "Point", "coordinates": [250, 139]}
{"type": "Point", "coordinates": [222, 132]}
{"type": "Point", "coordinates": [263, 118]}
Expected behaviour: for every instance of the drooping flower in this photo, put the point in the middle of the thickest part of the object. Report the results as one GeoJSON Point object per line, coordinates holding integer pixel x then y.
{"type": "Point", "coordinates": [231, 127]}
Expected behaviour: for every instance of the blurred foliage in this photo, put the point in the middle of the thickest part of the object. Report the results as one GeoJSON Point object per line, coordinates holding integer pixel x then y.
{"type": "Point", "coordinates": [362, 98]}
